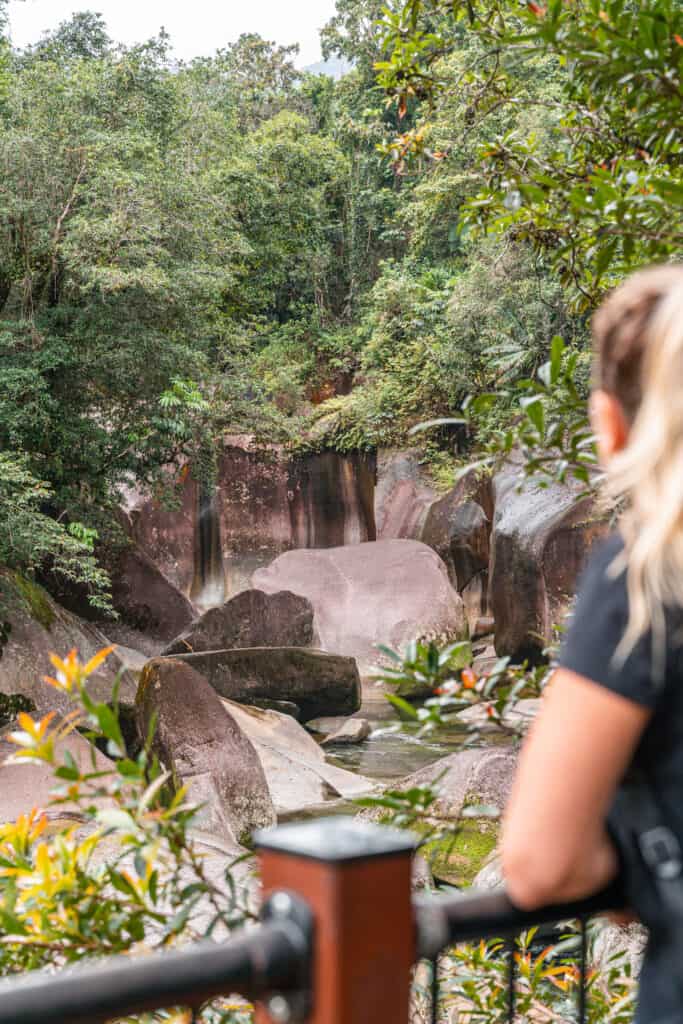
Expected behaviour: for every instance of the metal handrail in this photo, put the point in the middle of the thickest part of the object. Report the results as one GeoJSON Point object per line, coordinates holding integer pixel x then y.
{"type": "Point", "coordinates": [269, 957]}
{"type": "Point", "coordinates": [333, 885]}
{"type": "Point", "coordinates": [444, 921]}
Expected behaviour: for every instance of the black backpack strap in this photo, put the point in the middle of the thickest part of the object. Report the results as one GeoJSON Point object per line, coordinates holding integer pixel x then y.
{"type": "Point", "coordinates": [657, 845]}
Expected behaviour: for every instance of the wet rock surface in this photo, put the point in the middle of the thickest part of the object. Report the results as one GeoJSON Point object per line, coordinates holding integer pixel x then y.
{"type": "Point", "coordinates": [294, 765]}
{"type": "Point", "coordinates": [265, 501]}
{"type": "Point", "coordinates": [403, 496]}
{"type": "Point", "coordinates": [458, 527]}
{"type": "Point", "coordinates": [353, 730]}
{"type": "Point", "coordinates": [145, 599]}
{"type": "Point", "coordinates": [204, 748]}
{"type": "Point", "coordinates": [480, 776]}
{"type": "Point", "coordinates": [251, 619]}
{"type": "Point", "coordinates": [316, 682]}
{"type": "Point", "coordinates": [387, 592]}
{"type": "Point", "coordinates": [329, 726]}
{"type": "Point", "coordinates": [540, 542]}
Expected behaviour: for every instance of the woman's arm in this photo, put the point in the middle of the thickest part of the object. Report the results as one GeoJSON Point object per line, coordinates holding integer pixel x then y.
{"type": "Point", "coordinates": [555, 846]}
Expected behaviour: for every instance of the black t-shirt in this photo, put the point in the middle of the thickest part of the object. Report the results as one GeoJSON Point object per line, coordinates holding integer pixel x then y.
{"type": "Point", "coordinates": [597, 627]}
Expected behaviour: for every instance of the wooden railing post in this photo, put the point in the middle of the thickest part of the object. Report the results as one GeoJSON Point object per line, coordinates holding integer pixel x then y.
{"type": "Point", "coordinates": [356, 879]}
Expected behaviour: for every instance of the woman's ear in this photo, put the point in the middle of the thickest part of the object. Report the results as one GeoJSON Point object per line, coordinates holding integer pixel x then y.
{"type": "Point", "coordinates": [609, 424]}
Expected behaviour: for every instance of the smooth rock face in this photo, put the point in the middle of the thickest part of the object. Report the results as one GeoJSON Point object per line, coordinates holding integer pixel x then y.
{"type": "Point", "coordinates": [265, 502]}
{"type": "Point", "coordinates": [204, 748]}
{"type": "Point", "coordinates": [541, 540]}
{"type": "Point", "coordinates": [41, 627]}
{"type": "Point", "coordinates": [326, 726]}
{"type": "Point", "coordinates": [388, 592]}
{"type": "Point", "coordinates": [168, 535]}
{"type": "Point", "coordinates": [294, 765]}
{"type": "Point", "coordinates": [27, 786]}
{"type": "Point", "coordinates": [145, 599]}
{"type": "Point", "coordinates": [353, 730]}
{"type": "Point", "coordinates": [251, 619]}
{"type": "Point", "coordinates": [521, 716]}
{"type": "Point", "coordinates": [318, 683]}
{"type": "Point", "coordinates": [403, 495]}
{"type": "Point", "coordinates": [458, 527]}
{"type": "Point", "coordinates": [479, 776]}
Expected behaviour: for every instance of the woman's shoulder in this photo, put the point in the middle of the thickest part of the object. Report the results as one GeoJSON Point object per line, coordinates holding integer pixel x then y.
{"type": "Point", "coordinates": [605, 570]}
{"type": "Point", "coordinates": [598, 625]}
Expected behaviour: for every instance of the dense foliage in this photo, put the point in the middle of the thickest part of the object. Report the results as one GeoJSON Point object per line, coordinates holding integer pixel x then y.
{"type": "Point", "coordinates": [191, 249]}
{"type": "Point", "coordinates": [111, 865]}
{"type": "Point", "coordinates": [232, 244]}
{"type": "Point", "coordinates": [599, 193]}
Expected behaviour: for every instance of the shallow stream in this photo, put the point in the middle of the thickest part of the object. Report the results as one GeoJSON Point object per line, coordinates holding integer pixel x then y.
{"type": "Point", "coordinates": [389, 754]}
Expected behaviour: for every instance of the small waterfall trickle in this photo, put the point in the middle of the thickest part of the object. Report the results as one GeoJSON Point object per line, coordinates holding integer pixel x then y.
{"type": "Point", "coordinates": [209, 585]}
{"type": "Point", "coordinates": [332, 499]}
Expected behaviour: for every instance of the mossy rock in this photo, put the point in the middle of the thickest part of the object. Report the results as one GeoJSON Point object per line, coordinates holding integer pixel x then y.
{"type": "Point", "coordinates": [39, 628]}
{"type": "Point", "coordinates": [37, 601]}
{"type": "Point", "coordinates": [457, 859]}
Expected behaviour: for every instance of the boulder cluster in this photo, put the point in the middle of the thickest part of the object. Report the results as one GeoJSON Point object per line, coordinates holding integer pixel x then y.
{"type": "Point", "coordinates": [252, 655]}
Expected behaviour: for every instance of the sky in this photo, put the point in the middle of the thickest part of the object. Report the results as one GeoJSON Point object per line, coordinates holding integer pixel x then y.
{"type": "Point", "coordinates": [197, 27]}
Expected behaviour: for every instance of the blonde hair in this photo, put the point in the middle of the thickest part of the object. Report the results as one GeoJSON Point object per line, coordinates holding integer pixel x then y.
{"type": "Point", "coordinates": [639, 337]}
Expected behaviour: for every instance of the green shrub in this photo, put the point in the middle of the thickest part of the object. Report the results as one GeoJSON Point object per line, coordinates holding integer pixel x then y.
{"type": "Point", "coordinates": [129, 878]}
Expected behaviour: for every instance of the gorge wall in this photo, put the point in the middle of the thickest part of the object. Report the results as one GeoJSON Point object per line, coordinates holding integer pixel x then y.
{"type": "Point", "coordinates": [264, 502]}
{"type": "Point", "coordinates": [512, 553]}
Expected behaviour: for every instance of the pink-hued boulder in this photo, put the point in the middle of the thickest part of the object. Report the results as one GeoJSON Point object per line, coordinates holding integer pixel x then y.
{"type": "Point", "coordinates": [384, 592]}
{"type": "Point", "coordinates": [403, 495]}
{"type": "Point", "coordinates": [250, 619]}
{"type": "Point", "coordinates": [203, 747]}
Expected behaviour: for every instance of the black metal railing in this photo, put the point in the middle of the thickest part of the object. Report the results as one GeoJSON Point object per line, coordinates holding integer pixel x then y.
{"type": "Point", "coordinates": [446, 921]}
{"type": "Point", "coordinates": [274, 956]}
{"type": "Point", "coordinates": [274, 961]}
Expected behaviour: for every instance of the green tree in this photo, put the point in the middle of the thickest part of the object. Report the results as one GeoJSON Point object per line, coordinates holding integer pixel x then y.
{"type": "Point", "coordinates": [599, 196]}
{"type": "Point", "coordinates": [253, 76]}
{"type": "Point", "coordinates": [115, 258]}
{"type": "Point", "coordinates": [605, 197]}
{"type": "Point", "coordinates": [287, 187]}
{"type": "Point", "coordinates": [83, 37]}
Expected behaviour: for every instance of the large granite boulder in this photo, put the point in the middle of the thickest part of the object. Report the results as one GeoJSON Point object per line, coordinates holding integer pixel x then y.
{"type": "Point", "coordinates": [41, 627]}
{"type": "Point", "coordinates": [317, 683]}
{"type": "Point", "coordinates": [251, 619]}
{"type": "Point", "coordinates": [295, 768]}
{"type": "Point", "coordinates": [403, 495]}
{"type": "Point", "coordinates": [265, 501]}
{"type": "Point", "coordinates": [204, 748]}
{"type": "Point", "coordinates": [478, 776]}
{"type": "Point", "coordinates": [458, 527]}
{"type": "Point", "coordinates": [144, 598]}
{"type": "Point", "coordinates": [540, 542]}
{"type": "Point", "coordinates": [386, 592]}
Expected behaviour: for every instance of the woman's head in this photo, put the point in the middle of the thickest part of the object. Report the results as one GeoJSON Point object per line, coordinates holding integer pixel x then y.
{"type": "Point", "coordinates": [637, 411]}
{"type": "Point", "coordinates": [624, 330]}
